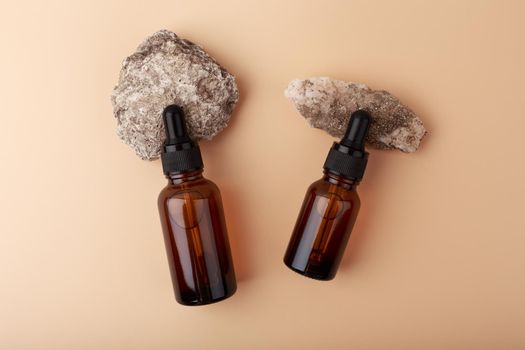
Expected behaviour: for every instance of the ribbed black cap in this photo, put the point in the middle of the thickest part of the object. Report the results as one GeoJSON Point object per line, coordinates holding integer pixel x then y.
{"type": "Point", "coordinates": [348, 158]}
{"type": "Point", "coordinates": [179, 153]}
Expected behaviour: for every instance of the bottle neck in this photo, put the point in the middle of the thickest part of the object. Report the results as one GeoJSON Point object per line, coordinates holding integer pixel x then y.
{"type": "Point", "coordinates": [179, 178]}
{"type": "Point", "coordinates": [339, 180]}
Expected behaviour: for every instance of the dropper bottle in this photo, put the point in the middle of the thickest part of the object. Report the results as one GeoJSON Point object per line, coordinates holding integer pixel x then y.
{"type": "Point", "coordinates": [192, 219]}
{"type": "Point", "coordinates": [330, 207]}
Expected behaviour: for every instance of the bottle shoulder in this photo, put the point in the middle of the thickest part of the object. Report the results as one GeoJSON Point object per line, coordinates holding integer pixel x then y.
{"type": "Point", "coordinates": [324, 188]}
{"type": "Point", "coordinates": [198, 189]}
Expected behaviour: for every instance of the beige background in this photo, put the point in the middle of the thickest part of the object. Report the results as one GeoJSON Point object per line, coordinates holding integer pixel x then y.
{"type": "Point", "coordinates": [436, 260]}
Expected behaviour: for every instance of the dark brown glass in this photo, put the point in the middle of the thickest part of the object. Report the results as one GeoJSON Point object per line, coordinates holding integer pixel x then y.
{"type": "Point", "coordinates": [323, 227]}
{"type": "Point", "coordinates": [196, 239]}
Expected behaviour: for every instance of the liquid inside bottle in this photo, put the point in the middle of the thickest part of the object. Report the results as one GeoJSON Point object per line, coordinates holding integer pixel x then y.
{"type": "Point", "coordinates": [196, 240]}
{"type": "Point", "coordinates": [323, 227]}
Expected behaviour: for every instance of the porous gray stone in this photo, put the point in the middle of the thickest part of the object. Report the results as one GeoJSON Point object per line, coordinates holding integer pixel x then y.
{"type": "Point", "coordinates": [328, 103]}
{"type": "Point", "coordinates": [166, 70]}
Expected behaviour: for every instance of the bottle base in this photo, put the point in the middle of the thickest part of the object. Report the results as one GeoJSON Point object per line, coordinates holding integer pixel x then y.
{"type": "Point", "coordinates": [198, 302]}
{"type": "Point", "coordinates": [311, 273]}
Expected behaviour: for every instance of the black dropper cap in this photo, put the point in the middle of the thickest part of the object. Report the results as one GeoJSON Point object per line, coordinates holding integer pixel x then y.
{"type": "Point", "coordinates": [179, 153]}
{"type": "Point", "coordinates": [348, 157]}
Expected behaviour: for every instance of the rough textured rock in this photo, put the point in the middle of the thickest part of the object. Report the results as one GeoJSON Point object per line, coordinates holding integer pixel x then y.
{"type": "Point", "coordinates": [165, 70]}
{"type": "Point", "coordinates": [327, 104]}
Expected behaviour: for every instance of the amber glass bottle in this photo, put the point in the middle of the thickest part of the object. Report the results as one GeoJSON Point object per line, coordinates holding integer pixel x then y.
{"type": "Point", "coordinates": [330, 207]}
{"type": "Point", "coordinates": [192, 220]}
